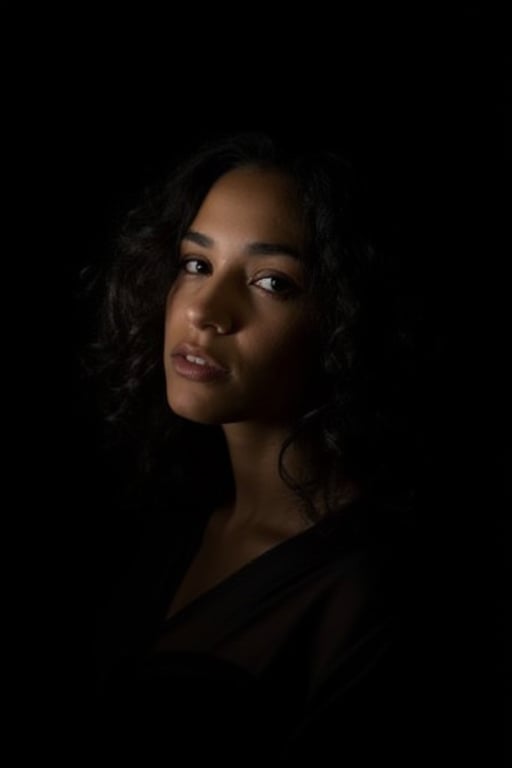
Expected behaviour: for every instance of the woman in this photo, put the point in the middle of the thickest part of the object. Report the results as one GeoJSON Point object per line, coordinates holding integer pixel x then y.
{"type": "Point", "coordinates": [259, 351]}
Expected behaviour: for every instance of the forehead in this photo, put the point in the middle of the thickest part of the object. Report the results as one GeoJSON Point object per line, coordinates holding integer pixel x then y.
{"type": "Point", "coordinates": [252, 202]}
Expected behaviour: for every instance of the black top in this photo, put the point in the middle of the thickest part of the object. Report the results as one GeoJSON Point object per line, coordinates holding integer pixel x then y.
{"type": "Point", "coordinates": [311, 648]}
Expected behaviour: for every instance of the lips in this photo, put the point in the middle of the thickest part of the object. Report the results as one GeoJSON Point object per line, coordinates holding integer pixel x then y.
{"type": "Point", "coordinates": [194, 363]}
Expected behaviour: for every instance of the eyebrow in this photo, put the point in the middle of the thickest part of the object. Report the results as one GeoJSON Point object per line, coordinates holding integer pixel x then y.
{"type": "Point", "coordinates": [252, 249]}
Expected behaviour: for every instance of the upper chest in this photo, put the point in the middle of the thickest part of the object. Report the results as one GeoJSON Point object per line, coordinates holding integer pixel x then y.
{"type": "Point", "coordinates": [223, 551]}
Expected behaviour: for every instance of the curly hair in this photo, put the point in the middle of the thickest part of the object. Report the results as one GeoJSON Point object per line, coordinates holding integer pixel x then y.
{"type": "Point", "coordinates": [366, 423]}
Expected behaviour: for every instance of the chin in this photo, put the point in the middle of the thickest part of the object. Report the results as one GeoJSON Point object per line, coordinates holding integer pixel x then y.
{"type": "Point", "coordinates": [200, 412]}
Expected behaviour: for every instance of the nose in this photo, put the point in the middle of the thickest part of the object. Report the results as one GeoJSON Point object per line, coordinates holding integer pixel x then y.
{"type": "Point", "coordinates": [213, 306]}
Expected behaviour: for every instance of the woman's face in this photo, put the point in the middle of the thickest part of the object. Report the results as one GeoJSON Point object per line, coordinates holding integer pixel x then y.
{"type": "Point", "coordinates": [239, 342]}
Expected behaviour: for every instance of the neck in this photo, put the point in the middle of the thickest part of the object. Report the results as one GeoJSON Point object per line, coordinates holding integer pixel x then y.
{"type": "Point", "coordinates": [261, 495]}
{"type": "Point", "coordinates": [262, 498]}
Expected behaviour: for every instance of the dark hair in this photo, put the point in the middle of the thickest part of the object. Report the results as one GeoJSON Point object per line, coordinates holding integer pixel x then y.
{"type": "Point", "coordinates": [366, 424]}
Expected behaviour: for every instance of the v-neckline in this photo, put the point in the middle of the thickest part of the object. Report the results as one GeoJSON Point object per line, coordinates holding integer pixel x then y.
{"type": "Point", "coordinates": [289, 558]}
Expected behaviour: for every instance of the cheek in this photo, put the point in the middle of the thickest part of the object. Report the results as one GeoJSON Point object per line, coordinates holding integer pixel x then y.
{"type": "Point", "coordinates": [290, 353]}
{"type": "Point", "coordinates": [283, 374]}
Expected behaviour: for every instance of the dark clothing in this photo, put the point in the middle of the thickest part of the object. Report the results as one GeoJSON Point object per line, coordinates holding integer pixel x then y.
{"type": "Point", "coordinates": [314, 650]}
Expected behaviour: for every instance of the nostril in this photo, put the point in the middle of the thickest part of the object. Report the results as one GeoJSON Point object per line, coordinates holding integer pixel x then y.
{"type": "Point", "coordinates": [201, 319]}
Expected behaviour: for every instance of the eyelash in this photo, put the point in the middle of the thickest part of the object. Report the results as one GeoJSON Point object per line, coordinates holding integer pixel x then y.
{"type": "Point", "coordinates": [185, 262]}
{"type": "Point", "coordinates": [289, 290]}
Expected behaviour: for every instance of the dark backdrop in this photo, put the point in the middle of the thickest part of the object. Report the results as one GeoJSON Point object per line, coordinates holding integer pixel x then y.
{"type": "Point", "coordinates": [108, 99]}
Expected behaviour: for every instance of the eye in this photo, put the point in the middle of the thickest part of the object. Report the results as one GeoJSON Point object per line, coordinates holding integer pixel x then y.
{"type": "Point", "coordinates": [276, 284]}
{"type": "Point", "coordinates": [195, 266]}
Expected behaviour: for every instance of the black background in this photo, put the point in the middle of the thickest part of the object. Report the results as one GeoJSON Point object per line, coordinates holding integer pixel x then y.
{"type": "Point", "coordinates": [100, 101]}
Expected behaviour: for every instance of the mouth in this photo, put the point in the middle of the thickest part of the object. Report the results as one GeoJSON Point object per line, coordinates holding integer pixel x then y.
{"type": "Point", "coordinates": [195, 364]}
